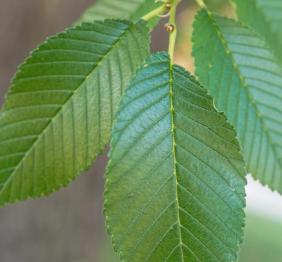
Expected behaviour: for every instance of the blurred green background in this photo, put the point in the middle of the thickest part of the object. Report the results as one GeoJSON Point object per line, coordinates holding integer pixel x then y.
{"type": "Point", "coordinates": [262, 240]}
{"type": "Point", "coordinates": [69, 226]}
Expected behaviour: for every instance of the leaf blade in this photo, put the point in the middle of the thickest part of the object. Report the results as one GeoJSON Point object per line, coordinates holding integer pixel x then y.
{"type": "Point", "coordinates": [265, 18]}
{"type": "Point", "coordinates": [58, 113]}
{"type": "Point", "coordinates": [245, 80]}
{"type": "Point", "coordinates": [164, 175]}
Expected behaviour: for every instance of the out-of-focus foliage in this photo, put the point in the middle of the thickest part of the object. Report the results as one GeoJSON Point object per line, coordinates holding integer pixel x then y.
{"type": "Point", "coordinates": [262, 240]}
{"type": "Point", "coordinates": [215, 4]}
{"type": "Point", "coordinates": [123, 9]}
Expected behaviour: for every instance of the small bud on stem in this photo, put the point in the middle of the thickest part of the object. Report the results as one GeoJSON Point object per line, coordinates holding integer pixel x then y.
{"type": "Point", "coordinates": [169, 27]}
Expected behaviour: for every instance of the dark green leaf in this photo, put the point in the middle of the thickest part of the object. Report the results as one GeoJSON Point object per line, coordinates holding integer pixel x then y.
{"type": "Point", "coordinates": [175, 181]}
{"type": "Point", "coordinates": [59, 109]}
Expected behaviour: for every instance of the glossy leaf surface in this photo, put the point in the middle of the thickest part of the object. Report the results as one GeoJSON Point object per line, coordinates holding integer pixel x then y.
{"type": "Point", "coordinates": [175, 181]}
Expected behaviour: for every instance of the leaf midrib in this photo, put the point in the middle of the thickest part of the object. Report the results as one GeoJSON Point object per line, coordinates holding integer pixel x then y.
{"type": "Point", "coordinates": [127, 30]}
{"type": "Point", "coordinates": [235, 66]}
{"type": "Point", "coordinates": [171, 109]}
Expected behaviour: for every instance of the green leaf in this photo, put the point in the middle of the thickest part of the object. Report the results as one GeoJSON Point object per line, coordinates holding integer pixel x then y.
{"type": "Point", "coordinates": [265, 16]}
{"type": "Point", "coordinates": [59, 109]}
{"type": "Point", "coordinates": [246, 82]}
{"type": "Point", "coordinates": [124, 9]}
{"type": "Point", "coordinates": [175, 181]}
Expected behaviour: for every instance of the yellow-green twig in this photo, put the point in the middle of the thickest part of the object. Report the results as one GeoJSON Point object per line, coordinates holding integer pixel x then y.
{"type": "Point", "coordinates": [156, 12]}
{"type": "Point", "coordinates": [172, 24]}
{"type": "Point", "coordinates": [201, 3]}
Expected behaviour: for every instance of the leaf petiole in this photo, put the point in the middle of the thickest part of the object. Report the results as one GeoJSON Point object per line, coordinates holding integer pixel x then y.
{"type": "Point", "coordinates": [201, 3]}
{"type": "Point", "coordinates": [156, 12]}
{"type": "Point", "coordinates": [171, 27]}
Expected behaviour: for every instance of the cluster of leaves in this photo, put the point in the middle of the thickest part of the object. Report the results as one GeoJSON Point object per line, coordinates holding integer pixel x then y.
{"type": "Point", "coordinates": [176, 176]}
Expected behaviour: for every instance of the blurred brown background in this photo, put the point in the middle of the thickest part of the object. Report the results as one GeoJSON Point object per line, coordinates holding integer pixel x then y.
{"type": "Point", "coordinates": [68, 226]}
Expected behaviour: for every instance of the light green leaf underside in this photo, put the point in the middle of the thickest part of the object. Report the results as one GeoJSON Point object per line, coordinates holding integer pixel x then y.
{"type": "Point", "coordinates": [175, 181]}
{"type": "Point", "coordinates": [266, 17]}
{"type": "Point", "coordinates": [59, 109]}
{"type": "Point", "coordinates": [124, 9]}
{"type": "Point", "coordinates": [246, 83]}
